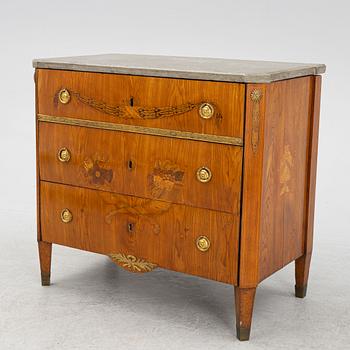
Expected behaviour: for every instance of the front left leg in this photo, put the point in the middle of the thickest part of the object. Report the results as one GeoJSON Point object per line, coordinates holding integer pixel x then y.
{"type": "Point", "coordinates": [45, 250]}
{"type": "Point", "coordinates": [244, 301]}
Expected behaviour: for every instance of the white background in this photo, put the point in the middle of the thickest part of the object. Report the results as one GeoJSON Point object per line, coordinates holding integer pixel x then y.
{"type": "Point", "coordinates": [300, 31]}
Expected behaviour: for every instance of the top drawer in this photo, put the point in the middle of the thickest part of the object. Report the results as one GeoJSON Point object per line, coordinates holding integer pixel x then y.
{"type": "Point", "coordinates": [164, 103]}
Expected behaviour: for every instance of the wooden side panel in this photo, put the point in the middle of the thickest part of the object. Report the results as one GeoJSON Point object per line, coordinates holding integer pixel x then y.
{"type": "Point", "coordinates": [302, 264]}
{"type": "Point", "coordinates": [287, 125]}
{"type": "Point", "coordinates": [112, 93]}
{"type": "Point", "coordinates": [142, 165]}
{"type": "Point", "coordinates": [159, 232]}
{"type": "Point", "coordinates": [275, 177]}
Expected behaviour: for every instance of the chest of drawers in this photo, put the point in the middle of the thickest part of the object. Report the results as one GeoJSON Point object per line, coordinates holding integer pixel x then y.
{"type": "Point", "coordinates": [202, 166]}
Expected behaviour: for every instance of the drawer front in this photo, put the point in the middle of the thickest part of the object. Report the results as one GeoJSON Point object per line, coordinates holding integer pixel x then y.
{"type": "Point", "coordinates": [165, 103]}
{"type": "Point", "coordinates": [161, 233]}
{"type": "Point", "coordinates": [142, 165]}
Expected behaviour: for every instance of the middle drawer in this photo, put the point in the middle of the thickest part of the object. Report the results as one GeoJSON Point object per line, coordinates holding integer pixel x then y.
{"type": "Point", "coordinates": [180, 171]}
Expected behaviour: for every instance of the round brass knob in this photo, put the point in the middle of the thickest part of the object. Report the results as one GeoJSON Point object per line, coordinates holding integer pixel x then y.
{"type": "Point", "coordinates": [66, 216]}
{"type": "Point", "coordinates": [204, 174]}
{"type": "Point", "coordinates": [64, 155]}
{"type": "Point", "coordinates": [203, 243]}
{"type": "Point", "coordinates": [64, 96]}
{"type": "Point", "coordinates": [206, 110]}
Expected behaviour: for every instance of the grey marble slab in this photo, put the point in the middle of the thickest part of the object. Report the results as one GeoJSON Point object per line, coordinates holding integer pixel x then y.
{"type": "Point", "coordinates": [216, 69]}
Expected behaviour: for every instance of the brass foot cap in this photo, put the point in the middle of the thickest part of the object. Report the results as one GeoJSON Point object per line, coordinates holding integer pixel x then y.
{"type": "Point", "coordinates": [300, 292]}
{"type": "Point", "coordinates": [45, 279]}
{"type": "Point", "coordinates": [243, 333]}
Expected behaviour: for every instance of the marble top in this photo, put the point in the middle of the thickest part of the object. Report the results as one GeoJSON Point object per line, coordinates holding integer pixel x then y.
{"type": "Point", "coordinates": [200, 68]}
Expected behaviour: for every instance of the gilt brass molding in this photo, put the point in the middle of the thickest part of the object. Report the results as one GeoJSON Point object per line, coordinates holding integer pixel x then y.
{"type": "Point", "coordinates": [226, 140]}
{"type": "Point", "coordinates": [255, 96]}
{"type": "Point", "coordinates": [132, 263]}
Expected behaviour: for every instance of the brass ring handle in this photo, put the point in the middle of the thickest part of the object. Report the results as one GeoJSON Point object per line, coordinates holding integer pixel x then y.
{"type": "Point", "coordinates": [64, 96]}
{"type": "Point", "coordinates": [64, 155]}
{"type": "Point", "coordinates": [206, 110]}
{"type": "Point", "coordinates": [66, 216]}
{"type": "Point", "coordinates": [204, 174]}
{"type": "Point", "coordinates": [203, 243]}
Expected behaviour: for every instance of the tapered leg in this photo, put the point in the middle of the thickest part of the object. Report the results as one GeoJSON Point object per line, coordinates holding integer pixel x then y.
{"type": "Point", "coordinates": [244, 301]}
{"type": "Point", "coordinates": [45, 250]}
{"type": "Point", "coordinates": [302, 267]}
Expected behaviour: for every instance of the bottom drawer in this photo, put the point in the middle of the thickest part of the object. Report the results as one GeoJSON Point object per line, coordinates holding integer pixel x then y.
{"type": "Point", "coordinates": [158, 232]}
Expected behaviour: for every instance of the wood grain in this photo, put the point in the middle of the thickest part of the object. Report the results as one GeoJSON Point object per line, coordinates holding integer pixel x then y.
{"type": "Point", "coordinates": [113, 89]}
{"type": "Point", "coordinates": [160, 232]}
{"type": "Point", "coordinates": [142, 165]}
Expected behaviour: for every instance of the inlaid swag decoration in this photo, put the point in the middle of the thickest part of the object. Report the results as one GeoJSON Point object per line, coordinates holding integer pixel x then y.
{"type": "Point", "coordinates": [206, 109]}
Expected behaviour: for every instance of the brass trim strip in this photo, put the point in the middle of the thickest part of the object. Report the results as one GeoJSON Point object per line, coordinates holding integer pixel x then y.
{"type": "Point", "coordinates": [227, 140]}
{"type": "Point", "coordinates": [255, 96]}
